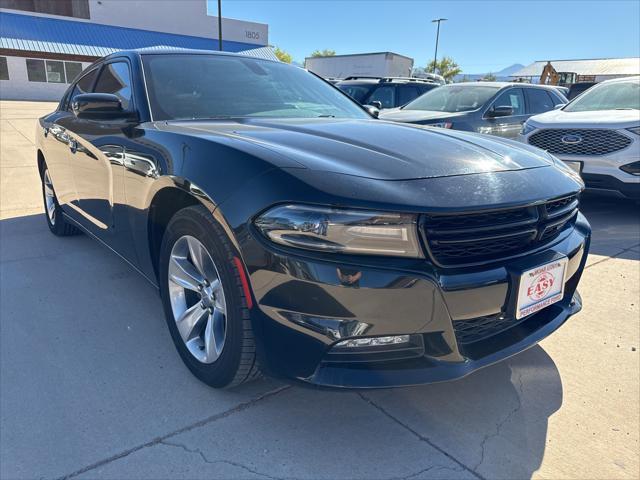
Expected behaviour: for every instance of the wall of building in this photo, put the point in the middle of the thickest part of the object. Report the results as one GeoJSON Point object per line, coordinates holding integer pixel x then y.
{"type": "Point", "coordinates": [18, 87]}
{"type": "Point", "coordinates": [183, 17]}
{"type": "Point", "coordinates": [186, 17]}
{"type": "Point", "coordinates": [384, 64]}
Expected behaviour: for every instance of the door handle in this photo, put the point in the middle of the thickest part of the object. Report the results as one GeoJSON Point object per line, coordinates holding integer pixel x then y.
{"type": "Point", "coordinates": [73, 146]}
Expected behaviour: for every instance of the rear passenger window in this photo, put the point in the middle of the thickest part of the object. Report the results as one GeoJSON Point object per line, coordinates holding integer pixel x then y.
{"type": "Point", "coordinates": [115, 79]}
{"type": "Point", "coordinates": [539, 101]}
{"type": "Point", "coordinates": [385, 95]}
{"type": "Point", "coordinates": [406, 93]}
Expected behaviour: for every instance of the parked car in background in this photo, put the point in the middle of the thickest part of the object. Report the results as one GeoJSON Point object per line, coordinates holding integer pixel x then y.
{"type": "Point", "coordinates": [434, 77]}
{"type": "Point", "coordinates": [496, 108]}
{"type": "Point", "coordinates": [387, 92]}
{"type": "Point", "coordinates": [286, 227]}
{"type": "Point", "coordinates": [564, 91]}
{"type": "Point", "coordinates": [578, 88]}
{"type": "Point", "coordinates": [598, 134]}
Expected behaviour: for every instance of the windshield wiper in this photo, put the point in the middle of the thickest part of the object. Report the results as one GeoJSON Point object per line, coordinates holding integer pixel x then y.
{"type": "Point", "coordinates": [326, 116]}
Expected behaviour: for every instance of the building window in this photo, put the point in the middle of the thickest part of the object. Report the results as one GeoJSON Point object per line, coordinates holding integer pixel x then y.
{"type": "Point", "coordinates": [65, 8]}
{"type": "Point", "coordinates": [55, 72]}
{"type": "Point", "coordinates": [72, 69]}
{"type": "Point", "coordinates": [36, 71]}
{"type": "Point", "coordinates": [4, 69]}
{"type": "Point", "coordinates": [52, 71]}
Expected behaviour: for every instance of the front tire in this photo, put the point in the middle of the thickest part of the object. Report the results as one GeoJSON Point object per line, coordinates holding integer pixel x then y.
{"type": "Point", "coordinates": [58, 225]}
{"type": "Point", "coordinates": [204, 301]}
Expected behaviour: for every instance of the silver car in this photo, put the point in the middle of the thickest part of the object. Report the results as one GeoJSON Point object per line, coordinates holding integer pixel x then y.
{"type": "Point", "coordinates": [597, 134]}
{"type": "Point", "coordinates": [496, 108]}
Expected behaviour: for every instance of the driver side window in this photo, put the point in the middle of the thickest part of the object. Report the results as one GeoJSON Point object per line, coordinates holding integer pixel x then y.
{"type": "Point", "coordinates": [115, 79]}
{"type": "Point", "coordinates": [511, 98]}
{"type": "Point", "coordinates": [82, 86]}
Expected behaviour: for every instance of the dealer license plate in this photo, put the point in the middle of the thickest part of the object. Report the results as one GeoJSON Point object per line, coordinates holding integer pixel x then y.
{"type": "Point", "coordinates": [540, 287]}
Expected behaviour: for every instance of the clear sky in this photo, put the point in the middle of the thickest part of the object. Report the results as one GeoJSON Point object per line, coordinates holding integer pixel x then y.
{"type": "Point", "coordinates": [481, 36]}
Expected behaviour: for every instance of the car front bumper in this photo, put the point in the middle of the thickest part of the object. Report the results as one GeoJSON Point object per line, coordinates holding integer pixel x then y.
{"type": "Point", "coordinates": [602, 173]}
{"type": "Point", "coordinates": [307, 304]}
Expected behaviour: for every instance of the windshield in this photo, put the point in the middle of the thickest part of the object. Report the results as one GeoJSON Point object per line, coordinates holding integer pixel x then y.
{"type": "Point", "coordinates": [192, 86]}
{"type": "Point", "coordinates": [607, 96]}
{"type": "Point", "coordinates": [453, 98]}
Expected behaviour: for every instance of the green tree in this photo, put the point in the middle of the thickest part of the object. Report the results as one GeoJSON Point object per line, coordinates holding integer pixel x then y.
{"type": "Point", "coordinates": [323, 53]}
{"type": "Point", "coordinates": [282, 55]}
{"type": "Point", "coordinates": [445, 67]}
{"type": "Point", "coordinates": [489, 77]}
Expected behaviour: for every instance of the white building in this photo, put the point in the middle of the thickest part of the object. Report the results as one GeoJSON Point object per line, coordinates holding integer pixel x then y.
{"type": "Point", "coordinates": [378, 64]}
{"type": "Point", "coordinates": [44, 44]}
{"type": "Point", "coordinates": [586, 70]}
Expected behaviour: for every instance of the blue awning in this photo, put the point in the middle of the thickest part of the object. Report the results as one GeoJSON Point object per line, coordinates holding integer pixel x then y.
{"type": "Point", "coordinates": [68, 37]}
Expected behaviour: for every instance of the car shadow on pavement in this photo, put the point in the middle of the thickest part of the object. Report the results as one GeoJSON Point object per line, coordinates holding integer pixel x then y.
{"type": "Point", "coordinates": [493, 421]}
{"type": "Point", "coordinates": [103, 375]}
{"type": "Point", "coordinates": [615, 223]}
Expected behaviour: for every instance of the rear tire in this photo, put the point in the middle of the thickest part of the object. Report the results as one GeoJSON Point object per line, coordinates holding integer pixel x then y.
{"type": "Point", "coordinates": [58, 225]}
{"type": "Point", "coordinates": [200, 284]}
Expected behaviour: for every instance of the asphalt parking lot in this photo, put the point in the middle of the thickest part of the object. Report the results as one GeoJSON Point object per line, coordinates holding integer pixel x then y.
{"type": "Point", "coordinates": [91, 386]}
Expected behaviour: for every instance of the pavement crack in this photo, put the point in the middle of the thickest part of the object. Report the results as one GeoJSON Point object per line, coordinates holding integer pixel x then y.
{"type": "Point", "coordinates": [204, 458]}
{"type": "Point", "coordinates": [20, 132]}
{"type": "Point", "coordinates": [420, 437]}
{"type": "Point", "coordinates": [162, 439]}
{"type": "Point", "coordinates": [502, 422]}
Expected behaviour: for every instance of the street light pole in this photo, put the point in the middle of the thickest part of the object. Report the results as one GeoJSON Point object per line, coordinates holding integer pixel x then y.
{"type": "Point", "coordinates": [220, 25]}
{"type": "Point", "coordinates": [435, 57]}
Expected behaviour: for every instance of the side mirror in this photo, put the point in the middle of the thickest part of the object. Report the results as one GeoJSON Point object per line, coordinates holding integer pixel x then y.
{"type": "Point", "coordinates": [500, 111]}
{"type": "Point", "coordinates": [377, 104]}
{"type": "Point", "coordinates": [559, 106]}
{"type": "Point", "coordinates": [100, 106]}
{"type": "Point", "coordinates": [373, 110]}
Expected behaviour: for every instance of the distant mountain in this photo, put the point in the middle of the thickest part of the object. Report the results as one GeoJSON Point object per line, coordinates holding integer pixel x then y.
{"type": "Point", "coordinates": [501, 75]}
{"type": "Point", "coordinates": [505, 72]}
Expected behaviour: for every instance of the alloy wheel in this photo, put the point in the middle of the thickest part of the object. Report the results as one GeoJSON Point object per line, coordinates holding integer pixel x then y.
{"type": "Point", "coordinates": [197, 299]}
{"type": "Point", "coordinates": [49, 197]}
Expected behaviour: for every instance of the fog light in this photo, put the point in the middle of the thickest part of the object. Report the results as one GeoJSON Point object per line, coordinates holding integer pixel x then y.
{"type": "Point", "coordinates": [373, 341]}
{"type": "Point", "coordinates": [632, 168]}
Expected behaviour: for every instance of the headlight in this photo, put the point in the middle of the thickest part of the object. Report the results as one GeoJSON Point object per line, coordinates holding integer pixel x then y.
{"type": "Point", "coordinates": [635, 130]}
{"type": "Point", "coordinates": [527, 128]}
{"type": "Point", "coordinates": [345, 231]}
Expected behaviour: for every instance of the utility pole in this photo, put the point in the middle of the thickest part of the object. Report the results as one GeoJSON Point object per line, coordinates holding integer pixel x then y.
{"type": "Point", "coordinates": [220, 25]}
{"type": "Point", "coordinates": [435, 57]}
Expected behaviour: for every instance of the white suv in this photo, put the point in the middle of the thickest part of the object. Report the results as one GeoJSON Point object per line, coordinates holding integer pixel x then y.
{"type": "Point", "coordinates": [598, 134]}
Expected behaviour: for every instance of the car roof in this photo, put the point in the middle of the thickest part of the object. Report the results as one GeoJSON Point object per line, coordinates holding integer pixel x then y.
{"type": "Point", "coordinates": [634, 79]}
{"type": "Point", "coordinates": [177, 51]}
{"type": "Point", "coordinates": [365, 80]}
{"type": "Point", "coordinates": [501, 84]}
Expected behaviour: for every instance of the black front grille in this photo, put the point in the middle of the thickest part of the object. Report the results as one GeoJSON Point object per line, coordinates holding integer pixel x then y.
{"type": "Point", "coordinates": [476, 329]}
{"type": "Point", "coordinates": [469, 238]}
{"type": "Point", "coordinates": [579, 141]}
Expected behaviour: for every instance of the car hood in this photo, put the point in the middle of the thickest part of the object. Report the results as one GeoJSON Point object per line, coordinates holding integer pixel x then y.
{"type": "Point", "coordinates": [414, 116]}
{"type": "Point", "coordinates": [367, 148]}
{"type": "Point", "coordinates": [600, 118]}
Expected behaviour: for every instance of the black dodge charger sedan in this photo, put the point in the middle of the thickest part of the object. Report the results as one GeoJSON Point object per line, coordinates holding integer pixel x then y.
{"type": "Point", "coordinates": [290, 231]}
